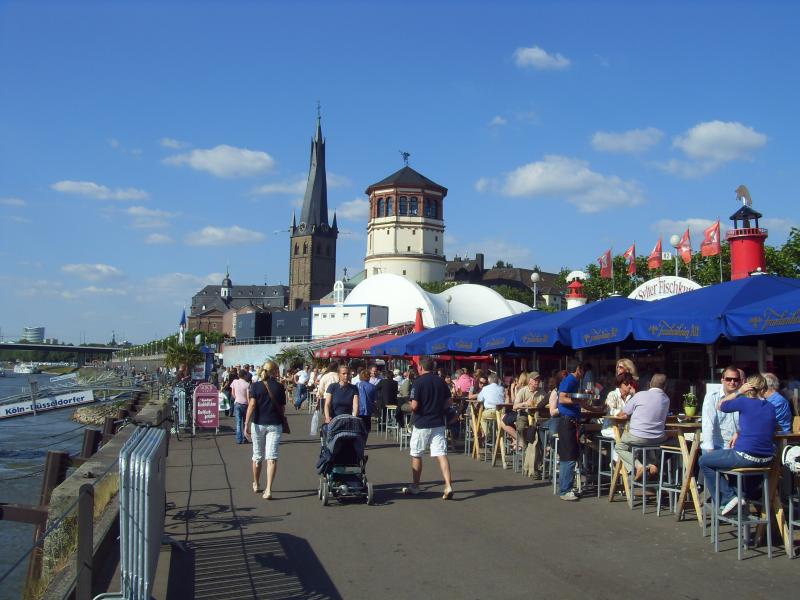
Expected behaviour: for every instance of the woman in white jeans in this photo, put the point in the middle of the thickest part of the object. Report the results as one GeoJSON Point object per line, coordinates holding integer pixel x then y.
{"type": "Point", "coordinates": [264, 424]}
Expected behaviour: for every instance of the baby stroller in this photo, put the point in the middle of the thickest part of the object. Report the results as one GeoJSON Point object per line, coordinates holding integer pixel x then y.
{"type": "Point", "coordinates": [342, 464]}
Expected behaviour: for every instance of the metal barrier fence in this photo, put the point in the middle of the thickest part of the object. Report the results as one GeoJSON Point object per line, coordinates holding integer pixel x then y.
{"type": "Point", "coordinates": [179, 398]}
{"type": "Point", "coordinates": [142, 493]}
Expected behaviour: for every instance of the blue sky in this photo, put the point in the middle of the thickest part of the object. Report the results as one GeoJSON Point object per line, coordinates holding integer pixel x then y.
{"type": "Point", "coordinates": [144, 146]}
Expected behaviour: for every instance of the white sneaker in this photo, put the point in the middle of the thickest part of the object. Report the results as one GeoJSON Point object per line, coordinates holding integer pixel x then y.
{"type": "Point", "coordinates": [569, 496]}
{"type": "Point", "coordinates": [730, 506]}
{"type": "Point", "coordinates": [412, 490]}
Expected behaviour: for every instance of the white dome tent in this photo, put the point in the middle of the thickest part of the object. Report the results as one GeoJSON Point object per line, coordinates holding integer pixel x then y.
{"type": "Point", "coordinates": [467, 304]}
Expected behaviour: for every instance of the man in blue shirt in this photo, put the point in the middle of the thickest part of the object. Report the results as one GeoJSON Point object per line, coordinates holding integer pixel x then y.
{"type": "Point", "coordinates": [569, 411]}
{"type": "Point", "coordinates": [783, 414]}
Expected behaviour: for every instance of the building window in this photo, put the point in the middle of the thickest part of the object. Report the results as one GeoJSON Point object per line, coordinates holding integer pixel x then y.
{"type": "Point", "coordinates": [408, 248]}
{"type": "Point", "coordinates": [305, 247]}
{"type": "Point", "coordinates": [296, 249]}
{"type": "Point", "coordinates": [436, 251]}
{"type": "Point", "coordinates": [280, 323]}
{"type": "Point", "coordinates": [389, 206]}
{"type": "Point", "coordinates": [413, 208]}
{"type": "Point", "coordinates": [430, 208]}
{"type": "Point", "coordinates": [387, 232]}
{"type": "Point", "coordinates": [380, 208]}
{"type": "Point", "coordinates": [403, 209]}
{"type": "Point", "coordinates": [404, 271]}
{"type": "Point", "coordinates": [345, 315]}
{"type": "Point", "coordinates": [413, 232]}
{"type": "Point", "coordinates": [213, 326]}
{"type": "Point", "coordinates": [437, 238]}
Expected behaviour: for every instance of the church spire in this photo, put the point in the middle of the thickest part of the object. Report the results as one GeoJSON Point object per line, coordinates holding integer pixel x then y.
{"type": "Point", "coordinates": [315, 202]}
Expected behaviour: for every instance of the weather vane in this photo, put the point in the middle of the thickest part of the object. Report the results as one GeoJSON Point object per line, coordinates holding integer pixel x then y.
{"type": "Point", "coordinates": [743, 194]}
{"type": "Point", "coordinates": [405, 156]}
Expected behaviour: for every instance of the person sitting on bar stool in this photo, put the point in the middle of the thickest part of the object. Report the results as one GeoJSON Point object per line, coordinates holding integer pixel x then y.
{"type": "Point", "coordinates": [752, 446]}
{"type": "Point", "coordinates": [647, 411]}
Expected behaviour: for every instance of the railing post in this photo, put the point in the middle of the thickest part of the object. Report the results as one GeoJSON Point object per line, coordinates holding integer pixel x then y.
{"type": "Point", "coordinates": [85, 554]}
{"type": "Point", "coordinates": [91, 442]}
{"type": "Point", "coordinates": [108, 428]}
{"type": "Point", "coordinates": [55, 471]}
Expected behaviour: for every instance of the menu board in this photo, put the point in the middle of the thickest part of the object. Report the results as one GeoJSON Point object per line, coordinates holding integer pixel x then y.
{"type": "Point", "coordinates": [206, 406]}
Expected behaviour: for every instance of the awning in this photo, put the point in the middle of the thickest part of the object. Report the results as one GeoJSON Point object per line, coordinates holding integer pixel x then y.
{"type": "Point", "coordinates": [354, 348]}
{"type": "Point", "coordinates": [430, 341]}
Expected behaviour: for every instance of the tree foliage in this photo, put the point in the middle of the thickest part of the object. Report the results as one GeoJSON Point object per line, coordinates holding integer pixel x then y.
{"type": "Point", "coordinates": [705, 270]}
{"type": "Point", "coordinates": [182, 354]}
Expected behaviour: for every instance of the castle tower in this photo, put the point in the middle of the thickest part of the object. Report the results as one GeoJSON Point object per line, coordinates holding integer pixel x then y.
{"type": "Point", "coordinates": [227, 286]}
{"type": "Point", "coordinates": [405, 234]}
{"type": "Point", "coordinates": [746, 239]}
{"type": "Point", "coordinates": [312, 244]}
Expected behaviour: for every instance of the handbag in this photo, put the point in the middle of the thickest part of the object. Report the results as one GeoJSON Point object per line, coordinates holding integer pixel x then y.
{"type": "Point", "coordinates": [314, 424]}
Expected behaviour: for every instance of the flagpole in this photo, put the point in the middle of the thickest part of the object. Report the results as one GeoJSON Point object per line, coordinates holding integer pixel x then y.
{"type": "Point", "coordinates": [613, 283]}
{"type": "Point", "coordinates": [720, 250]}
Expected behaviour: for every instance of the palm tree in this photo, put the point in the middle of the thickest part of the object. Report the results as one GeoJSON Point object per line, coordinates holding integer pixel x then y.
{"type": "Point", "coordinates": [182, 354]}
{"type": "Point", "coordinates": [294, 356]}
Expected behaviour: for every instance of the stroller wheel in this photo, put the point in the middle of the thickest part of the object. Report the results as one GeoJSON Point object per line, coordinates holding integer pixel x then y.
{"type": "Point", "coordinates": [323, 491]}
{"type": "Point", "coordinates": [370, 494]}
{"type": "Point", "coordinates": [319, 488]}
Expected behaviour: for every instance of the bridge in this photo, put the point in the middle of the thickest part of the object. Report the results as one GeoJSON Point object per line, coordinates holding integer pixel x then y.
{"type": "Point", "coordinates": [82, 352]}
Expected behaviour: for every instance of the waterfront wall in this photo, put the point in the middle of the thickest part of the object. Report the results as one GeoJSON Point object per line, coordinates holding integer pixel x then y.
{"type": "Point", "coordinates": [252, 354]}
{"type": "Point", "coordinates": [101, 470]}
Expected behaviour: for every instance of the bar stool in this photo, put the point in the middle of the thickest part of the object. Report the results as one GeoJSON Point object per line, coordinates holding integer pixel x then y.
{"type": "Point", "coordinates": [794, 518]}
{"type": "Point", "coordinates": [391, 420]}
{"type": "Point", "coordinates": [467, 417]}
{"type": "Point", "coordinates": [601, 441]}
{"type": "Point", "coordinates": [643, 484]}
{"type": "Point", "coordinates": [672, 486]}
{"type": "Point", "coordinates": [547, 451]}
{"type": "Point", "coordinates": [404, 433]}
{"type": "Point", "coordinates": [490, 438]}
{"type": "Point", "coordinates": [741, 520]}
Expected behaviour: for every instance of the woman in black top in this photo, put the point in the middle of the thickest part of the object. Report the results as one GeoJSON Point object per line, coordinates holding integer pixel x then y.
{"type": "Point", "coordinates": [341, 398]}
{"type": "Point", "coordinates": [264, 423]}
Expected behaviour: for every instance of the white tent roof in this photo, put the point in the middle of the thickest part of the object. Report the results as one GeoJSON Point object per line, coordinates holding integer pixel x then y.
{"type": "Point", "coordinates": [469, 304]}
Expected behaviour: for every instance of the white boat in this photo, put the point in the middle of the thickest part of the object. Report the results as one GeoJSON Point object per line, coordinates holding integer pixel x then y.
{"type": "Point", "coordinates": [26, 369]}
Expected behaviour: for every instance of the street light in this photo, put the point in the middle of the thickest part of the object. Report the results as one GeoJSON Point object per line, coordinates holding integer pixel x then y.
{"type": "Point", "coordinates": [449, 299]}
{"type": "Point", "coordinates": [675, 240]}
{"type": "Point", "coordinates": [535, 278]}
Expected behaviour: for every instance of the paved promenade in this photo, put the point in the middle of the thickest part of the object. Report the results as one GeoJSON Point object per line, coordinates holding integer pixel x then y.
{"type": "Point", "coordinates": [503, 536]}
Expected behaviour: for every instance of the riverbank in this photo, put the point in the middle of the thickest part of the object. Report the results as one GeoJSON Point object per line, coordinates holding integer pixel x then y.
{"type": "Point", "coordinates": [95, 414]}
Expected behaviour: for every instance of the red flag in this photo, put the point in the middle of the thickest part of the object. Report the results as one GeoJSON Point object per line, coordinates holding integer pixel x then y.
{"type": "Point", "coordinates": [685, 247]}
{"type": "Point", "coordinates": [630, 256]}
{"type": "Point", "coordinates": [711, 244]}
{"type": "Point", "coordinates": [606, 266]}
{"type": "Point", "coordinates": [656, 256]}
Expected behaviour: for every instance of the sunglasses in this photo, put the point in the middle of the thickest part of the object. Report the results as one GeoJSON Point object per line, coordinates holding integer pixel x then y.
{"type": "Point", "coordinates": [481, 383]}
{"type": "Point", "coordinates": [732, 379]}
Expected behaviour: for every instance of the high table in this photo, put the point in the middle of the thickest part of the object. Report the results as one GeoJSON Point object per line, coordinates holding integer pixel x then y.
{"type": "Point", "coordinates": [475, 414]}
{"type": "Point", "coordinates": [617, 424]}
{"type": "Point", "coordinates": [500, 410]}
{"type": "Point", "coordinates": [781, 439]}
{"type": "Point", "coordinates": [690, 458]}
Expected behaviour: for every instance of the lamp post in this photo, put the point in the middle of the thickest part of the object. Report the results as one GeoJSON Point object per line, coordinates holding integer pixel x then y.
{"type": "Point", "coordinates": [675, 241]}
{"type": "Point", "coordinates": [449, 299]}
{"type": "Point", "coordinates": [535, 277]}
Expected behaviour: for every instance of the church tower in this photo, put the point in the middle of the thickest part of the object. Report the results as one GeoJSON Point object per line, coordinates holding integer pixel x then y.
{"type": "Point", "coordinates": [312, 244]}
{"type": "Point", "coordinates": [405, 234]}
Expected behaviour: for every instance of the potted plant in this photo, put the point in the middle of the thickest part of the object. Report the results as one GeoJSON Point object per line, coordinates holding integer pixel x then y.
{"type": "Point", "coordinates": [690, 404]}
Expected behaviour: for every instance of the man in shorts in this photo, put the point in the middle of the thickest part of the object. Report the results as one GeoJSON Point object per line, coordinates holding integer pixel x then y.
{"type": "Point", "coordinates": [430, 401]}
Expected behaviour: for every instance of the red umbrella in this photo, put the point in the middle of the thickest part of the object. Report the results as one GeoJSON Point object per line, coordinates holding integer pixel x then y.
{"type": "Point", "coordinates": [418, 326]}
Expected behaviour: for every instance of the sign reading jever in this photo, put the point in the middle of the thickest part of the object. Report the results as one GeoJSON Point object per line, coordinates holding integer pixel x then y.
{"type": "Point", "coordinates": [206, 407]}
{"type": "Point", "coordinates": [663, 287]}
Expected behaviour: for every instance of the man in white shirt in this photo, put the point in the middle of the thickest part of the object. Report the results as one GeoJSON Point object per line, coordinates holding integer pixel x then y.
{"type": "Point", "coordinates": [491, 395]}
{"type": "Point", "coordinates": [301, 386]}
{"type": "Point", "coordinates": [719, 428]}
{"type": "Point", "coordinates": [374, 375]}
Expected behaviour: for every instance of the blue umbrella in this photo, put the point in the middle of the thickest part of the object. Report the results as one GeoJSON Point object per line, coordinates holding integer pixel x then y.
{"type": "Point", "coordinates": [778, 313]}
{"type": "Point", "coordinates": [433, 341]}
{"type": "Point", "coordinates": [555, 328]}
{"type": "Point", "coordinates": [402, 345]}
{"type": "Point", "coordinates": [468, 340]}
{"type": "Point", "coordinates": [693, 317]}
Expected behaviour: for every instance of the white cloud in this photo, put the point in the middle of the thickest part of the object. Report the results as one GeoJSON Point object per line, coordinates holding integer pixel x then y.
{"type": "Point", "coordinates": [218, 236]}
{"type": "Point", "coordinates": [572, 180]}
{"type": "Point", "coordinates": [225, 161]}
{"type": "Point", "coordinates": [696, 225]}
{"type": "Point", "coordinates": [114, 143]}
{"type": "Point", "coordinates": [16, 219]}
{"type": "Point", "coordinates": [354, 210]}
{"type": "Point", "coordinates": [98, 291]}
{"type": "Point", "coordinates": [148, 218]}
{"type": "Point", "coordinates": [167, 142]}
{"type": "Point", "coordinates": [294, 187]}
{"type": "Point", "coordinates": [778, 225]}
{"type": "Point", "coordinates": [631, 142]}
{"type": "Point", "coordinates": [176, 287]}
{"type": "Point", "coordinates": [719, 142]}
{"type": "Point", "coordinates": [482, 184]}
{"type": "Point", "coordinates": [540, 59]}
{"type": "Point", "coordinates": [12, 202]}
{"type": "Point", "coordinates": [498, 121]}
{"type": "Point", "coordinates": [336, 181]}
{"type": "Point", "coordinates": [100, 192]}
{"type": "Point", "coordinates": [155, 239]}
{"type": "Point", "coordinates": [92, 272]}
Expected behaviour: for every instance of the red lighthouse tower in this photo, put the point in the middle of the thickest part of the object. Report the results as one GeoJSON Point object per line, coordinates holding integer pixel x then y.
{"type": "Point", "coordinates": [746, 239]}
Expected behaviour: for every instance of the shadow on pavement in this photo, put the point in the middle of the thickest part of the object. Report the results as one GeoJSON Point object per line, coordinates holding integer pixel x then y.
{"type": "Point", "coordinates": [240, 567]}
{"type": "Point", "coordinates": [212, 518]}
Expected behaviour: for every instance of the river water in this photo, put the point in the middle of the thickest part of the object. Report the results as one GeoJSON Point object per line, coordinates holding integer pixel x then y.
{"type": "Point", "coordinates": [24, 443]}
